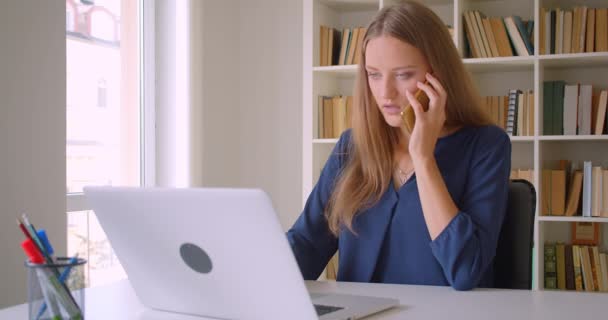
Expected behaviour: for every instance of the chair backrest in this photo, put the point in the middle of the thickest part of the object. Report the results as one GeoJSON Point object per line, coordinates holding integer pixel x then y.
{"type": "Point", "coordinates": [513, 260]}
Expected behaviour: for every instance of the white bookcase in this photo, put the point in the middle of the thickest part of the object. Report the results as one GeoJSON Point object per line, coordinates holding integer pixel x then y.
{"type": "Point", "coordinates": [493, 76]}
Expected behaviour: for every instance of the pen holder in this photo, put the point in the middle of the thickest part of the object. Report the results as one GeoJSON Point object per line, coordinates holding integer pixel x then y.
{"type": "Point", "coordinates": [56, 291]}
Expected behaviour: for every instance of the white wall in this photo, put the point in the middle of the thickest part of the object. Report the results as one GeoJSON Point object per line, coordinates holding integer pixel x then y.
{"type": "Point", "coordinates": [252, 92]}
{"type": "Point", "coordinates": [32, 132]}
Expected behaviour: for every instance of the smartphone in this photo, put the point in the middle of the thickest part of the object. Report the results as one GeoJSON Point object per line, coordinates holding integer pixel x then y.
{"type": "Point", "coordinates": [408, 115]}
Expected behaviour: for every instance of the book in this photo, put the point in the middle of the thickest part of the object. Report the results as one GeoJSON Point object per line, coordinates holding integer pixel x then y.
{"type": "Point", "coordinates": [601, 29]}
{"type": "Point", "coordinates": [542, 33]}
{"type": "Point", "coordinates": [597, 271]}
{"type": "Point", "coordinates": [587, 185]}
{"type": "Point", "coordinates": [516, 37]}
{"type": "Point", "coordinates": [590, 36]}
{"type": "Point", "coordinates": [604, 270]}
{"type": "Point", "coordinates": [471, 37]}
{"type": "Point", "coordinates": [569, 265]}
{"type": "Point", "coordinates": [482, 32]}
{"type": "Point", "coordinates": [490, 35]}
{"type": "Point", "coordinates": [350, 56]}
{"type": "Point", "coordinates": [360, 36]}
{"type": "Point", "coordinates": [601, 112]}
{"type": "Point", "coordinates": [561, 265]}
{"type": "Point", "coordinates": [346, 36]}
{"type": "Point", "coordinates": [596, 195]}
{"type": "Point", "coordinates": [559, 30]}
{"type": "Point", "coordinates": [577, 266]}
{"type": "Point", "coordinates": [512, 112]}
{"type": "Point", "coordinates": [545, 196]}
{"type": "Point", "coordinates": [586, 267]}
{"type": "Point", "coordinates": [567, 42]}
{"type": "Point", "coordinates": [547, 107]}
{"type": "Point", "coordinates": [558, 107]}
{"type": "Point", "coordinates": [584, 109]}
{"type": "Point", "coordinates": [574, 194]}
{"type": "Point", "coordinates": [558, 192]}
{"type": "Point", "coordinates": [570, 109]}
{"type": "Point", "coordinates": [550, 267]}
{"type": "Point", "coordinates": [323, 35]}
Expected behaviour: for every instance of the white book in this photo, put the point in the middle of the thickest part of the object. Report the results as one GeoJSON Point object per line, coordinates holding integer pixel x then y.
{"type": "Point", "coordinates": [584, 110]}
{"type": "Point", "coordinates": [587, 183]}
{"type": "Point", "coordinates": [570, 109]}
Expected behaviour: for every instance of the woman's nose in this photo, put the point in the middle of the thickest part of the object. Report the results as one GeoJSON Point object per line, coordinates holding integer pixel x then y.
{"type": "Point", "coordinates": [388, 89]}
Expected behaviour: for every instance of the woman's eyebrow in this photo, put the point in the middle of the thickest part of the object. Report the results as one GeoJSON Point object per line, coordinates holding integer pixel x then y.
{"type": "Point", "coordinates": [368, 67]}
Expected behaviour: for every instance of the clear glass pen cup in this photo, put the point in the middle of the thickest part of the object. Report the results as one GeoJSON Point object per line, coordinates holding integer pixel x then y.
{"type": "Point", "coordinates": [56, 290]}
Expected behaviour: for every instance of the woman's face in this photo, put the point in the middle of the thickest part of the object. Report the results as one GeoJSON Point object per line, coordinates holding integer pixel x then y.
{"type": "Point", "coordinates": [392, 67]}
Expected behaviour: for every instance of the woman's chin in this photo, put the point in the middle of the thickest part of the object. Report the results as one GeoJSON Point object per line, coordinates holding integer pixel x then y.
{"type": "Point", "coordinates": [394, 121]}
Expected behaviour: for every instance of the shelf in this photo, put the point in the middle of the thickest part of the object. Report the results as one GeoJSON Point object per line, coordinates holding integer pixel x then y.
{"type": "Point", "coordinates": [349, 70]}
{"type": "Point", "coordinates": [592, 59]}
{"type": "Point", "coordinates": [351, 5]}
{"type": "Point", "coordinates": [573, 219]}
{"type": "Point", "coordinates": [522, 139]}
{"type": "Point", "coordinates": [499, 64]}
{"type": "Point", "coordinates": [574, 138]}
{"type": "Point", "coordinates": [324, 141]}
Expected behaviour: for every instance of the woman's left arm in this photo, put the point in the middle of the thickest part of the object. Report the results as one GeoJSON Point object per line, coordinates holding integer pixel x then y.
{"type": "Point", "coordinates": [463, 239]}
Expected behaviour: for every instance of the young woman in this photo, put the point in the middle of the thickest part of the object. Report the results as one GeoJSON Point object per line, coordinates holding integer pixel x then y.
{"type": "Point", "coordinates": [419, 208]}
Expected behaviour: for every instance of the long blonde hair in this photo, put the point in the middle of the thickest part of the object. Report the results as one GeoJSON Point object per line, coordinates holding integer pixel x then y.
{"type": "Point", "coordinates": [368, 170]}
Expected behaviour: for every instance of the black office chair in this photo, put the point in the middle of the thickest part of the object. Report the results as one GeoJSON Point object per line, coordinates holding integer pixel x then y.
{"type": "Point", "coordinates": [513, 261]}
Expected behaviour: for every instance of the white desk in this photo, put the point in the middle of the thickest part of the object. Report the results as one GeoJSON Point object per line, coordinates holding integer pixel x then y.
{"type": "Point", "coordinates": [118, 301]}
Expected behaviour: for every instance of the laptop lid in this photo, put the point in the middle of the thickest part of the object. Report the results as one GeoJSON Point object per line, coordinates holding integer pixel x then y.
{"type": "Point", "coordinates": [213, 252]}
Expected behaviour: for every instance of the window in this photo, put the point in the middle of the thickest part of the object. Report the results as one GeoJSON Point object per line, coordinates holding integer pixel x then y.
{"type": "Point", "coordinates": [104, 119]}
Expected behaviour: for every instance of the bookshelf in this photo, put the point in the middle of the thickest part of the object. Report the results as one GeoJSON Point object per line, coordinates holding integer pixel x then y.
{"type": "Point", "coordinates": [493, 76]}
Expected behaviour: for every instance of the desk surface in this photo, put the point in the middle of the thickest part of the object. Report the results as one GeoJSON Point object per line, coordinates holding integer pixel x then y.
{"type": "Point", "coordinates": [118, 301]}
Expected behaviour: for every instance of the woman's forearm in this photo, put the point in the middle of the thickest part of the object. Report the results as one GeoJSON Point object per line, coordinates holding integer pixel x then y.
{"type": "Point", "coordinates": [437, 204]}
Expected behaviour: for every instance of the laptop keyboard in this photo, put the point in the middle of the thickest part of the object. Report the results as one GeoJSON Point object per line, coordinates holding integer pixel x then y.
{"type": "Point", "coordinates": [321, 309]}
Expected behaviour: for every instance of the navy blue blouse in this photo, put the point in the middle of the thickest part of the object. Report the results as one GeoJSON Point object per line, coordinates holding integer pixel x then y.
{"type": "Point", "coordinates": [393, 244]}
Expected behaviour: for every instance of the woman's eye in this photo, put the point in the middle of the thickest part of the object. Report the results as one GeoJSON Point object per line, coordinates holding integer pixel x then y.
{"type": "Point", "coordinates": [403, 76]}
{"type": "Point", "coordinates": [373, 75]}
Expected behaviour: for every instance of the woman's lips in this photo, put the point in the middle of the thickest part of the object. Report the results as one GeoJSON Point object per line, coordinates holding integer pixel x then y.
{"type": "Point", "coordinates": [392, 109]}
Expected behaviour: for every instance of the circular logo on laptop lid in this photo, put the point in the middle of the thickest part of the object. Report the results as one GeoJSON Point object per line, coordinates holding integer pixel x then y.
{"type": "Point", "coordinates": [195, 258]}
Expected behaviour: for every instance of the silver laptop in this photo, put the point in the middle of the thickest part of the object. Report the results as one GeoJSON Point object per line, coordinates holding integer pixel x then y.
{"type": "Point", "coordinates": [217, 253]}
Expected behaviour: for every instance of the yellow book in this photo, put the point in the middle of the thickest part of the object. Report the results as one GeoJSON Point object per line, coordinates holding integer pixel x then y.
{"type": "Point", "coordinates": [578, 273]}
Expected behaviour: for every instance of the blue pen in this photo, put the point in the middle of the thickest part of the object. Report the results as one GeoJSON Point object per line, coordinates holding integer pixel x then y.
{"type": "Point", "coordinates": [62, 278]}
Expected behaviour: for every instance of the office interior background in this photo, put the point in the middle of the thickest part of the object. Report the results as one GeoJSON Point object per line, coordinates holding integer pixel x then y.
{"type": "Point", "coordinates": [214, 99]}
{"type": "Point", "coordinates": [224, 93]}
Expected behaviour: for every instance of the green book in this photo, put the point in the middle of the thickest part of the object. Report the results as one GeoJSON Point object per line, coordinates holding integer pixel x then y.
{"type": "Point", "coordinates": [548, 108]}
{"type": "Point", "coordinates": [558, 107]}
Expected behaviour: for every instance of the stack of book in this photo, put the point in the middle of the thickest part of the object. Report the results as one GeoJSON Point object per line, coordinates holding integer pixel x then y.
{"type": "Point", "coordinates": [340, 47]}
{"type": "Point", "coordinates": [578, 30]}
{"type": "Point", "coordinates": [497, 36]}
{"type": "Point", "coordinates": [573, 109]}
{"type": "Point", "coordinates": [575, 267]}
{"type": "Point", "coordinates": [333, 116]}
{"type": "Point", "coordinates": [514, 113]}
{"type": "Point", "coordinates": [586, 190]}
